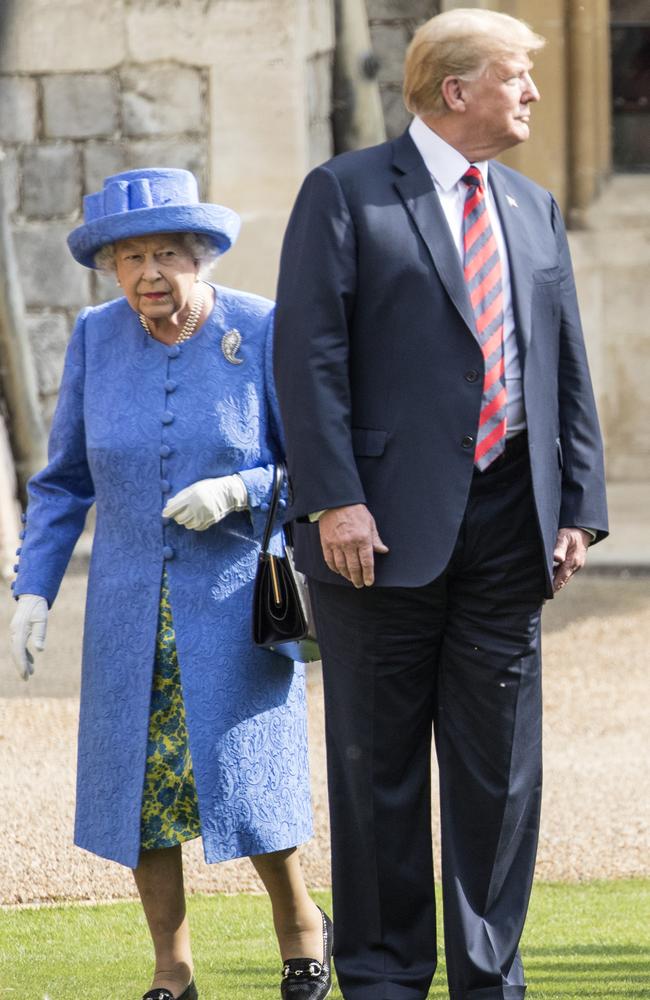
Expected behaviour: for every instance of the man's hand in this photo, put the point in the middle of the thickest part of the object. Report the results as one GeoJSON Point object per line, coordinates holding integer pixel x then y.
{"type": "Point", "coordinates": [569, 554]}
{"type": "Point", "coordinates": [349, 538]}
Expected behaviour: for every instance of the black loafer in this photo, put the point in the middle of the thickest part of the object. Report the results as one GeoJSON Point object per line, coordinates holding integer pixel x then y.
{"type": "Point", "coordinates": [307, 978]}
{"type": "Point", "coordinates": [160, 993]}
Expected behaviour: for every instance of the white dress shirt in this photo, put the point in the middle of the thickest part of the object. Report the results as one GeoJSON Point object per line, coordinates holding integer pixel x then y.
{"type": "Point", "coordinates": [447, 167]}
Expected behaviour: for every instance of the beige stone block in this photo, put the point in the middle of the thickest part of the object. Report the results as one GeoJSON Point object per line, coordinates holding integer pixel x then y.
{"type": "Point", "coordinates": [253, 263]}
{"type": "Point", "coordinates": [18, 117]}
{"type": "Point", "coordinates": [206, 33]}
{"type": "Point", "coordinates": [258, 159]}
{"type": "Point", "coordinates": [54, 36]}
{"type": "Point", "coordinates": [79, 105]}
{"type": "Point", "coordinates": [161, 100]}
{"type": "Point", "coordinates": [625, 420]}
{"type": "Point", "coordinates": [320, 27]}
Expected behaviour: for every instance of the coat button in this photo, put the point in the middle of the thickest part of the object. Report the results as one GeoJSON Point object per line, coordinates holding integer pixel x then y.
{"type": "Point", "coordinates": [173, 351]}
{"type": "Point", "coordinates": [19, 550]}
{"type": "Point", "coordinates": [264, 506]}
{"type": "Point", "coordinates": [468, 441]}
{"type": "Point", "coordinates": [23, 518]}
{"type": "Point", "coordinates": [170, 385]}
{"type": "Point", "coordinates": [282, 504]}
{"type": "Point", "coordinates": [21, 534]}
{"type": "Point", "coordinates": [165, 451]}
{"type": "Point", "coordinates": [471, 375]}
{"type": "Point", "coordinates": [15, 567]}
{"type": "Point", "coordinates": [168, 552]}
{"type": "Point", "coordinates": [165, 486]}
{"type": "Point", "coordinates": [167, 417]}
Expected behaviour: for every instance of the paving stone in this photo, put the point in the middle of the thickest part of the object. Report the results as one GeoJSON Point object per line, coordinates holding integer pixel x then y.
{"type": "Point", "coordinates": [51, 181]}
{"type": "Point", "coordinates": [18, 115]}
{"type": "Point", "coordinates": [80, 105]}
{"type": "Point", "coordinates": [51, 278]}
{"type": "Point", "coordinates": [102, 160]}
{"type": "Point", "coordinates": [161, 100]}
{"type": "Point", "coordinates": [48, 334]}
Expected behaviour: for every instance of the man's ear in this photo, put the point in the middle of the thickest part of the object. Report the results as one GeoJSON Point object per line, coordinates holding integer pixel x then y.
{"type": "Point", "coordinates": [453, 93]}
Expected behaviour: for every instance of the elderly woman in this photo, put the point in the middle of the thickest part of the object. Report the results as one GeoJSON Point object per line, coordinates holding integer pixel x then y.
{"type": "Point", "coordinates": [166, 419]}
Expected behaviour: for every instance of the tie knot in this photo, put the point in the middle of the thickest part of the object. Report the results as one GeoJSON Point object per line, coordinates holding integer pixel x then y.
{"type": "Point", "coordinates": [473, 178]}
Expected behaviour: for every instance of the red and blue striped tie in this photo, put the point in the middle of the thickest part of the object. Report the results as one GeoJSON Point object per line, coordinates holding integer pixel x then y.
{"type": "Point", "coordinates": [482, 268]}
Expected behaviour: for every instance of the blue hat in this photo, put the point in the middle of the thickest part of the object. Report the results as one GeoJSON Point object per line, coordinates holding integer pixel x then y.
{"type": "Point", "coordinates": [140, 202]}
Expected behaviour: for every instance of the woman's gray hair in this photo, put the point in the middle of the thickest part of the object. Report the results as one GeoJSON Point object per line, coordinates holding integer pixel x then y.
{"type": "Point", "coordinates": [461, 43]}
{"type": "Point", "coordinates": [199, 246]}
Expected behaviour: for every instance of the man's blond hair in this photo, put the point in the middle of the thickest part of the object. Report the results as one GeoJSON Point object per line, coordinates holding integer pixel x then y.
{"type": "Point", "coordinates": [459, 43]}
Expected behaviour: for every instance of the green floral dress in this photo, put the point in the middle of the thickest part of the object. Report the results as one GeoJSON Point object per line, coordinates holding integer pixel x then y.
{"type": "Point", "coordinates": [170, 813]}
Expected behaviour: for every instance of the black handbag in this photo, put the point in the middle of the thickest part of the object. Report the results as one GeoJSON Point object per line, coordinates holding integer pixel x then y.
{"type": "Point", "coordinates": [282, 616]}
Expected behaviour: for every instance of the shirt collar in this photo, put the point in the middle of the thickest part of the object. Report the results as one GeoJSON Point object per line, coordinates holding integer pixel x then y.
{"type": "Point", "coordinates": [445, 164]}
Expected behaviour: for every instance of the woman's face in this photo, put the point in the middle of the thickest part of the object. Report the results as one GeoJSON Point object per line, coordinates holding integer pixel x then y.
{"type": "Point", "coordinates": [156, 274]}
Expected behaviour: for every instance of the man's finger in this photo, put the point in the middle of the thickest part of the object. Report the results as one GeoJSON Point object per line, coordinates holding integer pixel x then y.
{"type": "Point", "coordinates": [355, 572]}
{"type": "Point", "coordinates": [340, 562]}
{"type": "Point", "coordinates": [377, 543]}
{"type": "Point", "coordinates": [367, 560]}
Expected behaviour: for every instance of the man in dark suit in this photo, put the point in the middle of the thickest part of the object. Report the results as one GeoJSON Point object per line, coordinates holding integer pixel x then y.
{"type": "Point", "coordinates": [442, 439]}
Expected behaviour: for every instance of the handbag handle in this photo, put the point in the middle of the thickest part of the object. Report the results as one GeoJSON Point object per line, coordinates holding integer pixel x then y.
{"type": "Point", "coordinates": [278, 476]}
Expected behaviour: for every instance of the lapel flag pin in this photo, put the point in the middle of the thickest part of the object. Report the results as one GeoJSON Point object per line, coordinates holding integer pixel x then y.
{"type": "Point", "coordinates": [511, 201]}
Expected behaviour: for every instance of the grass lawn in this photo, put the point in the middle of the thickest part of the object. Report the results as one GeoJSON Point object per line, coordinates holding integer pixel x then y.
{"type": "Point", "coordinates": [590, 941]}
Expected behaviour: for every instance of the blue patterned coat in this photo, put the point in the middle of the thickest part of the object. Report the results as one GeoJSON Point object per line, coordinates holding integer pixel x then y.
{"type": "Point", "coordinates": [136, 421]}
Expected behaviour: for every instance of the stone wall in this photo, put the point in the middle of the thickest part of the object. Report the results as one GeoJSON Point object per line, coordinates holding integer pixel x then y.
{"type": "Point", "coordinates": [392, 24]}
{"type": "Point", "coordinates": [238, 91]}
{"type": "Point", "coordinates": [62, 133]}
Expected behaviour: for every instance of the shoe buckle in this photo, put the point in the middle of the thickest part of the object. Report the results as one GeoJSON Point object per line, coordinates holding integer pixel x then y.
{"type": "Point", "coordinates": [315, 968]}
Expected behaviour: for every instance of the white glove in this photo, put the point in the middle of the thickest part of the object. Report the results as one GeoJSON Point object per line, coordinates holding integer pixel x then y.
{"type": "Point", "coordinates": [203, 504]}
{"type": "Point", "coordinates": [29, 620]}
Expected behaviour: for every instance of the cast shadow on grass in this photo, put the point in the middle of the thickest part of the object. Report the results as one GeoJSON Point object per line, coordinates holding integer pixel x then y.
{"type": "Point", "coordinates": [588, 971]}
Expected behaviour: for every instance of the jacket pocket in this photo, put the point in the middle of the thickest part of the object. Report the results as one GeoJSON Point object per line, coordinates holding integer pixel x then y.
{"type": "Point", "coordinates": [546, 275]}
{"type": "Point", "coordinates": [368, 442]}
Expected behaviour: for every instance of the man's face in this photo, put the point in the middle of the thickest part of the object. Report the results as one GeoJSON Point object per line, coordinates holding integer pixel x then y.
{"type": "Point", "coordinates": [497, 106]}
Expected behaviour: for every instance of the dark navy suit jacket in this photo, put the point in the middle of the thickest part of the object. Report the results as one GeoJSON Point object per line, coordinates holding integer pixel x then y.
{"type": "Point", "coordinates": [376, 363]}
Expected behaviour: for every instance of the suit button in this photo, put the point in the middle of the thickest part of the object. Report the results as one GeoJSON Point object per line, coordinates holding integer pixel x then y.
{"type": "Point", "coordinates": [471, 375]}
{"type": "Point", "coordinates": [15, 567]}
{"type": "Point", "coordinates": [19, 550]}
{"type": "Point", "coordinates": [21, 534]}
{"type": "Point", "coordinates": [468, 441]}
{"type": "Point", "coordinates": [168, 552]}
{"type": "Point", "coordinates": [165, 486]}
{"type": "Point", "coordinates": [167, 417]}
{"type": "Point", "coordinates": [173, 351]}
{"type": "Point", "coordinates": [165, 451]}
{"type": "Point", "coordinates": [23, 518]}
{"type": "Point", "coordinates": [170, 385]}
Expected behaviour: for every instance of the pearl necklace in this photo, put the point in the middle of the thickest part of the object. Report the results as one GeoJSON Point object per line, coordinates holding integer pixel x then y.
{"type": "Point", "coordinates": [190, 322]}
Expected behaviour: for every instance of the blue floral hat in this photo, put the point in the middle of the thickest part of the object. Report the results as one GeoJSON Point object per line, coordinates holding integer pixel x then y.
{"type": "Point", "coordinates": [140, 202]}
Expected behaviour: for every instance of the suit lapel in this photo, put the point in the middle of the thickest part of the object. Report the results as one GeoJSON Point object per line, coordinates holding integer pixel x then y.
{"type": "Point", "coordinates": [519, 242]}
{"type": "Point", "coordinates": [416, 189]}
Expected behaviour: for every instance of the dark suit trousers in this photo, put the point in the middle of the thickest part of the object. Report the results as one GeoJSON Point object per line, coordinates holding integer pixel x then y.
{"type": "Point", "coordinates": [459, 657]}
